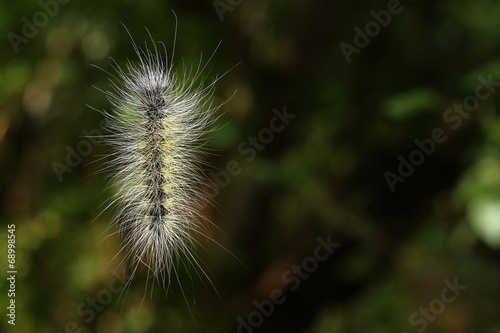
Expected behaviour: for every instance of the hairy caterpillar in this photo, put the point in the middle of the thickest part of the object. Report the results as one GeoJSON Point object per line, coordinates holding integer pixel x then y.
{"type": "Point", "coordinates": [157, 131]}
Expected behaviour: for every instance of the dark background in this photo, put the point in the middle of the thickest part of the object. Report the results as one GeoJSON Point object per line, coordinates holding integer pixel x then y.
{"type": "Point", "coordinates": [322, 176]}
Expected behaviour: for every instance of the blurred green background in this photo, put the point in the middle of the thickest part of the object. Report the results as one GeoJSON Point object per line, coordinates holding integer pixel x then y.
{"type": "Point", "coordinates": [322, 176]}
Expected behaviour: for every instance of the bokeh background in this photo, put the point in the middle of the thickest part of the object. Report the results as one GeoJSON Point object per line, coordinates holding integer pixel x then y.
{"type": "Point", "coordinates": [322, 176]}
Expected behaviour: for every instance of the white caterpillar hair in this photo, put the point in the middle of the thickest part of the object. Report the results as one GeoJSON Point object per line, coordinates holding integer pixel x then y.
{"type": "Point", "coordinates": [157, 131]}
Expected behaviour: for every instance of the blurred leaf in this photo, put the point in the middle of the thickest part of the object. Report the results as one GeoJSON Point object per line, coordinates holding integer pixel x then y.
{"type": "Point", "coordinates": [410, 104]}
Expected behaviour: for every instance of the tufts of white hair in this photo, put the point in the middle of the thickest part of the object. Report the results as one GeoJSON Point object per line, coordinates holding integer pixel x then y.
{"type": "Point", "coordinates": [157, 130]}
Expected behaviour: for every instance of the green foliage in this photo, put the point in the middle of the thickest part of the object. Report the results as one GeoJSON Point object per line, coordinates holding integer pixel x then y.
{"type": "Point", "coordinates": [322, 174]}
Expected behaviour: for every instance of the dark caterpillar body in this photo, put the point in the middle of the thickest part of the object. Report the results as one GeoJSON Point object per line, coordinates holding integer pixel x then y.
{"type": "Point", "coordinates": [154, 106]}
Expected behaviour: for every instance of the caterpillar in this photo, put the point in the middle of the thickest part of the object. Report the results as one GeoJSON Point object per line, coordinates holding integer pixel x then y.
{"type": "Point", "coordinates": [157, 132]}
